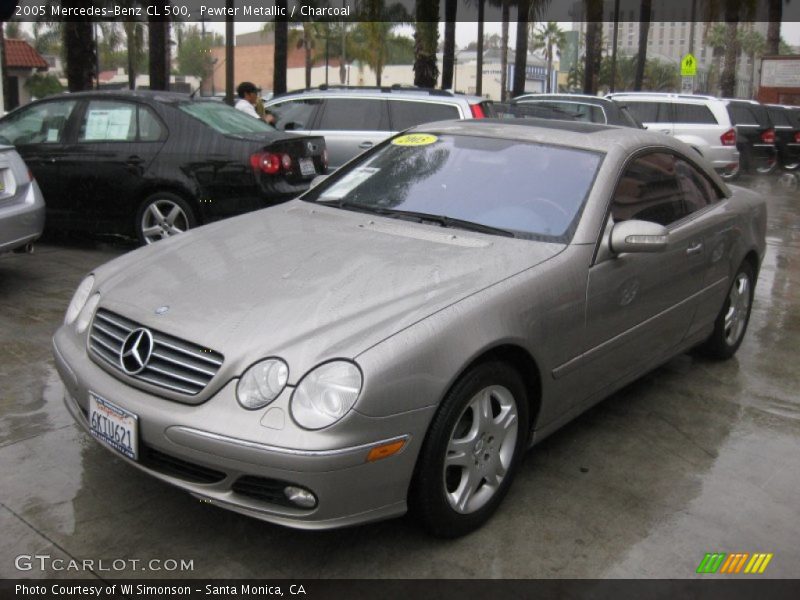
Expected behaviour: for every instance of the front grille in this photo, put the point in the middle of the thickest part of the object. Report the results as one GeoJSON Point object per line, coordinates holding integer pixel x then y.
{"type": "Point", "coordinates": [174, 364]}
{"type": "Point", "coordinates": [177, 467]}
{"type": "Point", "coordinates": [261, 488]}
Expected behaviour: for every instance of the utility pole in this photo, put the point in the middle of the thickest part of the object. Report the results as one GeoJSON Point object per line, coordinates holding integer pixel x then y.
{"type": "Point", "coordinates": [229, 52]}
{"type": "Point", "coordinates": [614, 45]}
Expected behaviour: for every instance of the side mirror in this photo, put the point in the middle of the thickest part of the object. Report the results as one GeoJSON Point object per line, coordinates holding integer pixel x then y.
{"type": "Point", "coordinates": [318, 179]}
{"type": "Point", "coordinates": [638, 236]}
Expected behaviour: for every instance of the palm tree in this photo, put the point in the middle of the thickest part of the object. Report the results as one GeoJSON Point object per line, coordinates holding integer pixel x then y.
{"type": "Point", "coordinates": [504, 50]}
{"type": "Point", "coordinates": [281, 55]}
{"type": "Point", "coordinates": [521, 48]}
{"type": "Point", "coordinates": [426, 40]}
{"type": "Point", "coordinates": [370, 45]}
{"type": "Point", "coordinates": [594, 41]}
{"type": "Point", "coordinates": [448, 55]}
{"type": "Point", "coordinates": [644, 29]}
{"type": "Point", "coordinates": [134, 37]}
{"type": "Point", "coordinates": [775, 16]}
{"type": "Point", "coordinates": [158, 35]}
{"type": "Point", "coordinates": [548, 37]}
{"type": "Point", "coordinates": [479, 64]}
{"type": "Point", "coordinates": [753, 44]}
{"type": "Point", "coordinates": [79, 52]}
{"type": "Point", "coordinates": [716, 38]}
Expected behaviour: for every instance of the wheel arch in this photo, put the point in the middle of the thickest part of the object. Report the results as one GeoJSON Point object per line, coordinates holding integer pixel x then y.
{"type": "Point", "coordinates": [173, 188]}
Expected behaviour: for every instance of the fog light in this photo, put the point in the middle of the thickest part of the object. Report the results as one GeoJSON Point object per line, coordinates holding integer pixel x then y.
{"type": "Point", "coordinates": [300, 497]}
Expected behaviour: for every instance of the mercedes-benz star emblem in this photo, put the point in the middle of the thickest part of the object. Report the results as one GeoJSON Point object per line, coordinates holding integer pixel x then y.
{"type": "Point", "coordinates": [136, 350]}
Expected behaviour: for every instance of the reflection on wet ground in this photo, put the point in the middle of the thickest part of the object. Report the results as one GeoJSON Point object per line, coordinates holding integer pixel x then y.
{"type": "Point", "coordinates": [696, 457]}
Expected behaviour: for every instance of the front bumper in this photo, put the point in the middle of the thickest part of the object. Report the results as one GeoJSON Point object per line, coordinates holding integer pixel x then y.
{"type": "Point", "coordinates": [209, 450]}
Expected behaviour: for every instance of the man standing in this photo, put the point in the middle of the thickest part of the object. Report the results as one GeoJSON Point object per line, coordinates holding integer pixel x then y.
{"type": "Point", "coordinates": [248, 99]}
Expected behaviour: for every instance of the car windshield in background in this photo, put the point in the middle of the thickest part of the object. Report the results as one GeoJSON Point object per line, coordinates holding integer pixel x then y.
{"type": "Point", "coordinates": [535, 191]}
{"type": "Point", "coordinates": [223, 118]}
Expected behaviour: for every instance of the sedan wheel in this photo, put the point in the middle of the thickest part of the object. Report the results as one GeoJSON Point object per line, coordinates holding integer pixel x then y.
{"type": "Point", "coordinates": [472, 450]}
{"type": "Point", "coordinates": [161, 216]}
{"type": "Point", "coordinates": [731, 324]}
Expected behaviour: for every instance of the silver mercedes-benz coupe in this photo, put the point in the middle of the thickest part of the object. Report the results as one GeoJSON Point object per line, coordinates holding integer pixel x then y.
{"type": "Point", "coordinates": [397, 337]}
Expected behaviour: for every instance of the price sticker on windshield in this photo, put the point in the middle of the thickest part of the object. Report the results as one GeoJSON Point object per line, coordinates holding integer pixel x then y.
{"type": "Point", "coordinates": [415, 139]}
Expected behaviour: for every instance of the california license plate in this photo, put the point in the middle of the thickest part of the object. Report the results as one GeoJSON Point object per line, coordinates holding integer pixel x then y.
{"type": "Point", "coordinates": [307, 167]}
{"type": "Point", "coordinates": [114, 426]}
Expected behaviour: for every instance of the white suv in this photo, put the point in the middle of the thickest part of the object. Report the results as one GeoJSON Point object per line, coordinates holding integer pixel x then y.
{"type": "Point", "coordinates": [700, 121]}
{"type": "Point", "coordinates": [353, 119]}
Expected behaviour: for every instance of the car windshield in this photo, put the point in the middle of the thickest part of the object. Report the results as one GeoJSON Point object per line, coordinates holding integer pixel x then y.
{"type": "Point", "coordinates": [534, 191]}
{"type": "Point", "coordinates": [223, 118]}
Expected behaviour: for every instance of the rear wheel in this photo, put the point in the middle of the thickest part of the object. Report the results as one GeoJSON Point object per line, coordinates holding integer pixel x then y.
{"type": "Point", "coordinates": [162, 215]}
{"type": "Point", "coordinates": [731, 323]}
{"type": "Point", "coordinates": [472, 451]}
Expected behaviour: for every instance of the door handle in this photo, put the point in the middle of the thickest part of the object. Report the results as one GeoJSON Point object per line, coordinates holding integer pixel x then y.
{"type": "Point", "coordinates": [365, 145]}
{"type": "Point", "coordinates": [695, 248]}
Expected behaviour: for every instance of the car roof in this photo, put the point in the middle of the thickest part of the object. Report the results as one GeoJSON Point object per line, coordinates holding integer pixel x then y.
{"type": "Point", "coordinates": [576, 97]}
{"type": "Point", "coordinates": [328, 90]}
{"type": "Point", "coordinates": [152, 95]}
{"type": "Point", "coordinates": [662, 96]}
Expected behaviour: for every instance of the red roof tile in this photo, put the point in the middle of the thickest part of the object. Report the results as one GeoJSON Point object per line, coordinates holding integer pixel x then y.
{"type": "Point", "coordinates": [20, 54]}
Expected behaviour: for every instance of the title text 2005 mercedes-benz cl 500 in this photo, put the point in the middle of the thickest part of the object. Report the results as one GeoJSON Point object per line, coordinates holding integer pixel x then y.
{"type": "Point", "coordinates": [398, 336]}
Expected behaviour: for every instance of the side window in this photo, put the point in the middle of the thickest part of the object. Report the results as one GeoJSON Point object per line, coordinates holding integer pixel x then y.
{"type": "Point", "coordinates": [650, 112]}
{"type": "Point", "coordinates": [648, 190]}
{"type": "Point", "coordinates": [697, 191]}
{"type": "Point", "coordinates": [40, 124]}
{"type": "Point", "coordinates": [779, 116]}
{"type": "Point", "coordinates": [405, 114]}
{"type": "Point", "coordinates": [354, 114]}
{"type": "Point", "coordinates": [741, 115]}
{"type": "Point", "coordinates": [150, 129]}
{"type": "Point", "coordinates": [300, 112]}
{"type": "Point", "coordinates": [693, 113]}
{"type": "Point", "coordinates": [108, 121]}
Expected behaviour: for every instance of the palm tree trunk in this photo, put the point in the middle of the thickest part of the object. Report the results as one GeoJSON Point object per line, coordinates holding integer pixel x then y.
{"type": "Point", "coordinates": [426, 38]}
{"type": "Point", "coordinates": [775, 15]}
{"type": "Point", "coordinates": [521, 48]}
{"type": "Point", "coordinates": [591, 70]}
{"type": "Point", "coordinates": [80, 54]}
{"type": "Point", "coordinates": [448, 57]}
{"type": "Point", "coordinates": [309, 63]}
{"type": "Point", "coordinates": [549, 86]}
{"type": "Point", "coordinates": [728, 79]}
{"type": "Point", "coordinates": [479, 66]}
{"type": "Point", "coordinates": [504, 52]}
{"type": "Point", "coordinates": [644, 30]}
{"type": "Point", "coordinates": [159, 53]}
{"type": "Point", "coordinates": [280, 56]}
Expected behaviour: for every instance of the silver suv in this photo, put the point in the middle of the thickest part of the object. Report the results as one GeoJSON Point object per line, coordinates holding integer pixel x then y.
{"type": "Point", "coordinates": [353, 119]}
{"type": "Point", "coordinates": [700, 121]}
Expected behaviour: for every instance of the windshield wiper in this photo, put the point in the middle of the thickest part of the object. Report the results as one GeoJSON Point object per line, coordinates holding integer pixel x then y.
{"type": "Point", "coordinates": [421, 217]}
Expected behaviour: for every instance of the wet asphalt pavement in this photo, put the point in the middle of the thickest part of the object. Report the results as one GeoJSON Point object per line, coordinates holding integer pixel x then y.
{"type": "Point", "coordinates": [696, 457]}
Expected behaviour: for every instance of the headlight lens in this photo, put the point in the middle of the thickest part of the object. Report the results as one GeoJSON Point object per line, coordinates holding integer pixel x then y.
{"type": "Point", "coordinates": [85, 316]}
{"type": "Point", "coordinates": [326, 394]}
{"type": "Point", "coordinates": [262, 383]}
{"type": "Point", "coordinates": [79, 299]}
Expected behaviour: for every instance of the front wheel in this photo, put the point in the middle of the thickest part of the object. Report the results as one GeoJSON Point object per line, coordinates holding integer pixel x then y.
{"type": "Point", "coordinates": [472, 451]}
{"type": "Point", "coordinates": [162, 215]}
{"type": "Point", "coordinates": [731, 323]}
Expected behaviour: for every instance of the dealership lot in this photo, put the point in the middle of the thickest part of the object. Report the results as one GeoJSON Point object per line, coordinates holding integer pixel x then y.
{"type": "Point", "coordinates": [696, 457]}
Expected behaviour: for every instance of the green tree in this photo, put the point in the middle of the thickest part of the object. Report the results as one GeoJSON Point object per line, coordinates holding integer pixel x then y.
{"type": "Point", "coordinates": [716, 38]}
{"type": "Point", "coordinates": [41, 85]}
{"type": "Point", "coordinates": [369, 45]}
{"type": "Point", "coordinates": [548, 37]}
{"type": "Point", "coordinates": [194, 52]}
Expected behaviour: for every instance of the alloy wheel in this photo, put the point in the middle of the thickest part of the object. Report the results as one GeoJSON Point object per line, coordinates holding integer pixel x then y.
{"type": "Point", "coordinates": [738, 309]}
{"type": "Point", "coordinates": [162, 219]}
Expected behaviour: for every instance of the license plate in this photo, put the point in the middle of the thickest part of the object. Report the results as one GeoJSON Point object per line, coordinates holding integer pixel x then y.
{"type": "Point", "coordinates": [307, 167]}
{"type": "Point", "coordinates": [114, 426]}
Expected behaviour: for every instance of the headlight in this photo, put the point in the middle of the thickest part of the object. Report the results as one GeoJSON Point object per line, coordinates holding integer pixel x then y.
{"type": "Point", "coordinates": [79, 299]}
{"type": "Point", "coordinates": [86, 314]}
{"type": "Point", "coordinates": [326, 394]}
{"type": "Point", "coordinates": [262, 383]}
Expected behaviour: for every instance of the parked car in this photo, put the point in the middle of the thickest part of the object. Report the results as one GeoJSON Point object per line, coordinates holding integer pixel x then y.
{"type": "Point", "coordinates": [569, 107]}
{"type": "Point", "coordinates": [755, 135]}
{"type": "Point", "coordinates": [354, 119]}
{"type": "Point", "coordinates": [404, 331]}
{"type": "Point", "coordinates": [152, 164]}
{"type": "Point", "coordinates": [21, 204]}
{"type": "Point", "coordinates": [700, 121]}
{"type": "Point", "coordinates": [787, 134]}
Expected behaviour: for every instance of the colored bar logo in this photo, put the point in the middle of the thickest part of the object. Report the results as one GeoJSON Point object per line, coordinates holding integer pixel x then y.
{"type": "Point", "coordinates": [735, 563]}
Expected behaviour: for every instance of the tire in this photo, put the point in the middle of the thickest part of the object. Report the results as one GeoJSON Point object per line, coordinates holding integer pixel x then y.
{"type": "Point", "coordinates": [470, 456]}
{"type": "Point", "coordinates": [162, 215]}
{"type": "Point", "coordinates": [731, 323]}
{"type": "Point", "coordinates": [731, 174]}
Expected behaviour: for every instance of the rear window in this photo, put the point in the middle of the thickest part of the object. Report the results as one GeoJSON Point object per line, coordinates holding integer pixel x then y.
{"type": "Point", "coordinates": [407, 113]}
{"type": "Point", "coordinates": [223, 118]}
{"type": "Point", "coordinates": [650, 112]}
{"type": "Point", "coordinates": [693, 113]}
{"type": "Point", "coordinates": [544, 187]}
{"type": "Point", "coordinates": [569, 111]}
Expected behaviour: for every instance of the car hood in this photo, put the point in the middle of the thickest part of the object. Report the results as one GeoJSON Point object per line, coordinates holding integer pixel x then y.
{"type": "Point", "coordinates": [305, 282]}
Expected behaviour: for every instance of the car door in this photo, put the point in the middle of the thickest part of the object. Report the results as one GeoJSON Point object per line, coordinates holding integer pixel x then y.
{"type": "Point", "coordinates": [350, 126]}
{"type": "Point", "coordinates": [104, 169]}
{"type": "Point", "coordinates": [295, 114]}
{"type": "Point", "coordinates": [654, 115]}
{"type": "Point", "coordinates": [640, 305]}
{"type": "Point", "coordinates": [40, 133]}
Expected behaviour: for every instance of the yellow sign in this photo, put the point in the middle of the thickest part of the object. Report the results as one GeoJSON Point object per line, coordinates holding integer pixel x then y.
{"type": "Point", "coordinates": [415, 139]}
{"type": "Point", "coordinates": [688, 66]}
